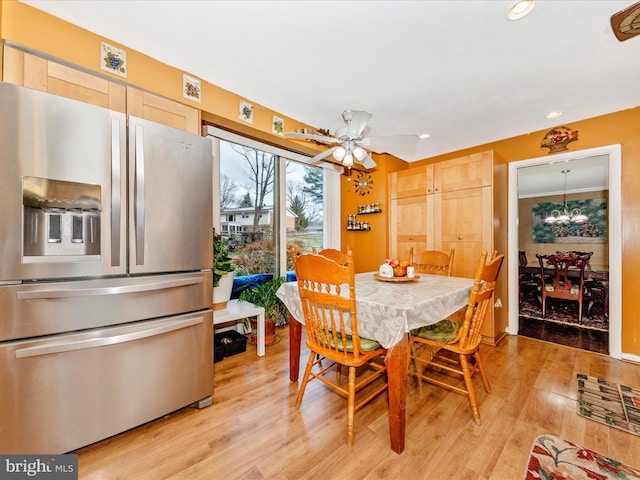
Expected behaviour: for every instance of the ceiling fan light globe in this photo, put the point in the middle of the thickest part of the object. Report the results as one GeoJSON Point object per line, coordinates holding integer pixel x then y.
{"type": "Point", "coordinates": [339, 153]}
{"type": "Point", "coordinates": [348, 160]}
{"type": "Point", "coordinates": [359, 153]}
{"type": "Point", "coordinates": [563, 218]}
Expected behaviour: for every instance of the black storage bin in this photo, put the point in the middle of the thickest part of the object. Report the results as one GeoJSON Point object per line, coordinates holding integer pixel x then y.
{"type": "Point", "coordinates": [232, 341]}
{"type": "Point", "coordinates": [218, 349]}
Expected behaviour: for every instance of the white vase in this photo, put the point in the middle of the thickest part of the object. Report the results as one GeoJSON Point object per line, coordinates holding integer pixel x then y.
{"type": "Point", "coordinates": [222, 293]}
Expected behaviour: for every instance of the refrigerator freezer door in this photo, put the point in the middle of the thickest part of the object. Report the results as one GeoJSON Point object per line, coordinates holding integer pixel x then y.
{"type": "Point", "coordinates": [32, 310]}
{"type": "Point", "coordinates": [170, 198]}
{"type": "Point", "coordinates": [70, 390]}
{"type": "Point", "coordinates": [63, 184]}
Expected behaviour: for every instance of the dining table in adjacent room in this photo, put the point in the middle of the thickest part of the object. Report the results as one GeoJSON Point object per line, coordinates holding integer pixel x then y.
{"type": "Point", "coordinates": [387, 310]}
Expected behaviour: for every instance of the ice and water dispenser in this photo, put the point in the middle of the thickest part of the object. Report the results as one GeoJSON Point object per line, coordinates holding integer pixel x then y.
{"type": "Point", "coordinates": [60, 218]}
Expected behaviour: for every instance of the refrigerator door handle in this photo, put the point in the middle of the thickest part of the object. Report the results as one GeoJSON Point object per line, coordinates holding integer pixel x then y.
{"type": "Point", "coordinates": [104, 341]}
{"type": "Point", "coordinates": [115, 192]}
{"type": "Point", "coordinates": [139, 194]}
{"type": "Point", "coordinates": [115, 290]}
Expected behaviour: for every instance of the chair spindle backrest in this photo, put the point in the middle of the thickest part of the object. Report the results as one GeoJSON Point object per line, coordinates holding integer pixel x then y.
{"type": "Point", "coordinates": [327, 294]}
{"type": "Point", "coordinates": [432, 262]}
{"type": "Point", "coordinates": [484, 285]}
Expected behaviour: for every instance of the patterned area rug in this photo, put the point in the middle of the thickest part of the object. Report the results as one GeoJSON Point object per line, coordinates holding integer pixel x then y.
{"type": "Point", "coordinates": [615, 405]}
{"type": "Point", "coordinates": [565, 312]}
{"type": "Point", "coordinates": [553, 458]}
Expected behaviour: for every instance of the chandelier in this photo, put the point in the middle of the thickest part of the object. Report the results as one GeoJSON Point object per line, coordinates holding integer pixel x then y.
{"type": "Point", "coordinates": [565, 216]}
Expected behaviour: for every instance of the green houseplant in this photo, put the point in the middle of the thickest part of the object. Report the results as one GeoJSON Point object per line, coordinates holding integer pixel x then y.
{"type": "Point", "coordinates": [223, 268]}
{"type": "Point", "coordinates": [264, 295]}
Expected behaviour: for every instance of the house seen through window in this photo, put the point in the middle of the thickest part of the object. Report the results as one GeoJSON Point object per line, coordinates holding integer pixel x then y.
{"type": "Point", "coordinates": [264, 196]}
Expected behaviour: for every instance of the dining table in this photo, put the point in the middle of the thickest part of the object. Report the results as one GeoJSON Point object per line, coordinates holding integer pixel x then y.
{"type": "Point", "coordinates": [387, 309]}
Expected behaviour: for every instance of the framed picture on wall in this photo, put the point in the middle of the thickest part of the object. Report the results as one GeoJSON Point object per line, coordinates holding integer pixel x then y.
{"type": "Point", "coordinates": [593, 230]}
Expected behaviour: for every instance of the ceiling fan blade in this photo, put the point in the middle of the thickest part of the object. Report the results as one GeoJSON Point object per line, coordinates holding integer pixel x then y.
{"type": "Point", "coordinates": [367, 162]}
{"type": "Point", "coordinates": [358, 123]}
{"type": "Point", "coordinates": [309, 136]}
{"type": "Point", "coordinates": [324, 154]}
{"type": "Point", "coordinates": [393, 140]}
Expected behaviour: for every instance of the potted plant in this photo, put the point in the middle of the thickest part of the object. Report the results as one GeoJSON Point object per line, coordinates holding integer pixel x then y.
{"type": "Point", "coordinates": [275, 312]}
{"type": "Point", "coordinates": [223, 273]}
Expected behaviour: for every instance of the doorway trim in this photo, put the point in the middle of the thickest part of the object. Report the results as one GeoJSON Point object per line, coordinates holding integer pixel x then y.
{"type": "Point", "coordinates": [615, 237]}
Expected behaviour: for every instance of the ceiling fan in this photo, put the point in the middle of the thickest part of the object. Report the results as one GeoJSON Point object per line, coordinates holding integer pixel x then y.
{"type": "Point", "coordinates": [626, 23]}
{"type": "Point", "coordinates": [351, 144]}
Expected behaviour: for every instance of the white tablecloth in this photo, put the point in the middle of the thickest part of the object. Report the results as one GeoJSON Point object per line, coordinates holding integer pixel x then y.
{"type": "Point", "coordinates": [386, 311]}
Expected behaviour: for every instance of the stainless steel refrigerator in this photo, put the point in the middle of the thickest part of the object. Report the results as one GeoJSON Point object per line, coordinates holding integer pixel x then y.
{"type": "Point", "coordinates": [105, 280]}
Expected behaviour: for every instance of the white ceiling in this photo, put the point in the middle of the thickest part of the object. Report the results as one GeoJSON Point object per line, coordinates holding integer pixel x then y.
{"type": "Point", "coordinates": [455, 69]}
{"type": "Point", "coordinates": [585, 174]}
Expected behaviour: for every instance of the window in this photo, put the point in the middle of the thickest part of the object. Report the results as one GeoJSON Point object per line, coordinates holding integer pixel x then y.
{"type": "Point", "coordinates": [270, 201]}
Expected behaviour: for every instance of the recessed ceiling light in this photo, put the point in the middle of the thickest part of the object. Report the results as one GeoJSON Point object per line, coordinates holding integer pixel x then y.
{"type": "Point", "coordinates": [553, 114]}
{"type": "Point", "coordinates": [520, 9]}
{"type": "Point", "coordinates": [424, 135]}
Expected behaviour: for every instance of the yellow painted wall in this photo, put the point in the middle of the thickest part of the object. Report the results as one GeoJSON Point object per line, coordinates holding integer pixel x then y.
{"type": "Point", "coordinates": [369, 248]}
{"type": "Point", "coordinates": [616, 128]}
{"type": "Point", "coordinates": [40, 32]}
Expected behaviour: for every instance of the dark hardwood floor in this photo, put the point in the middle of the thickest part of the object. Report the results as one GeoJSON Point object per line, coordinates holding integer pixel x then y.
{"type": "Point", "coordinates": [252, 430]}
{"type": "Point", "coordinates": [560, 324]}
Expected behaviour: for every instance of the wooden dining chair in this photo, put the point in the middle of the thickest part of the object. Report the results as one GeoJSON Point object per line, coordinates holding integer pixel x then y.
{"type": "Point", "coordinates": [560, 285]}
{"type": "Point", "coordinates": [328, 297]}
{"type": "Point", "coordinates": [335, 255]}
{"type": "Point", "coordinates": [432, 262]}
{"type": "Point", "coordinates": [453, 347]}
{"type": "Point", "coordinates": [340, 258]}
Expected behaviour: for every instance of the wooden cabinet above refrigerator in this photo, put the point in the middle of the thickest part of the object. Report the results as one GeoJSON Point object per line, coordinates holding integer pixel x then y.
{"type": "Point", "coordinates": [39, 73]}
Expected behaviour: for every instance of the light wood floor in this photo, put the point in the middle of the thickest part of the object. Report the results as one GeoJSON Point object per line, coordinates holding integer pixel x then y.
{"type": "Point", "coordinates": [252, 430]}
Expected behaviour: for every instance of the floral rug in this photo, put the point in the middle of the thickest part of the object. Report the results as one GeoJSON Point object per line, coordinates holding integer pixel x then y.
{"type": "Point", "coordinates": [553, 458]}
{"type": "Point", "coordinates": [615, 405]}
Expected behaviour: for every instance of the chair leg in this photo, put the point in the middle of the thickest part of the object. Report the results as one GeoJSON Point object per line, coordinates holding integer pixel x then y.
{"type": "Point", "coordinates": [580, 312]}
{"type": "Point", "coordinates": [351, 404]}
{"type": "Point", "coordinates": [466, 372]}
{"type": "Point", "coordinates": [483, 373]}
{"type": "Point", "coordinates": [305, 379]}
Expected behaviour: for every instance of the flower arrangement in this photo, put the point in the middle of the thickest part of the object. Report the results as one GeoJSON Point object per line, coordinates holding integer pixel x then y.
{"type": "Point", "coordinates": [222, 261]}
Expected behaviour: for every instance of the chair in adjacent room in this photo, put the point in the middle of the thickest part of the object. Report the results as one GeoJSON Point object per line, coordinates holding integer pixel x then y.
{"type": "Point", "coordinates": [567, 281]}
{"type": "Point", "coordinates": [453, 347]}
{"type": "Point", "coordinates": [433, 262]}
{"type": "Point", "coordinates": [529, 283]}
{"type": "Point", "coordinates": [328, 315]}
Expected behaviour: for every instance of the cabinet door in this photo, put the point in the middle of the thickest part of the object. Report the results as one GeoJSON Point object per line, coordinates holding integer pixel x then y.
{"type": "Point", "coordinates": [411, 182]}
{"type": "Point", "coordinates": [461, 173]}
{"type": "Point", "coordinates": [162, 110]}
{"type": "Point", "coordinates": [411, 221]}
{"type": "Point", "coordinates": [27, 70]}
{"type": "Point", "coordinates": [463, 221]}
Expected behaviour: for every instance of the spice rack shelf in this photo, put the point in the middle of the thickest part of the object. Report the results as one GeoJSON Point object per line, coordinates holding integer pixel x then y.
{"type": "Point", "coordinates": [362, 226]}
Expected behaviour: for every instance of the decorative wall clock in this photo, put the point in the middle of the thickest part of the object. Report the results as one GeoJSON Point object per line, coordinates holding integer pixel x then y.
{"type": "Point", "coordinates": [363, 184]}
